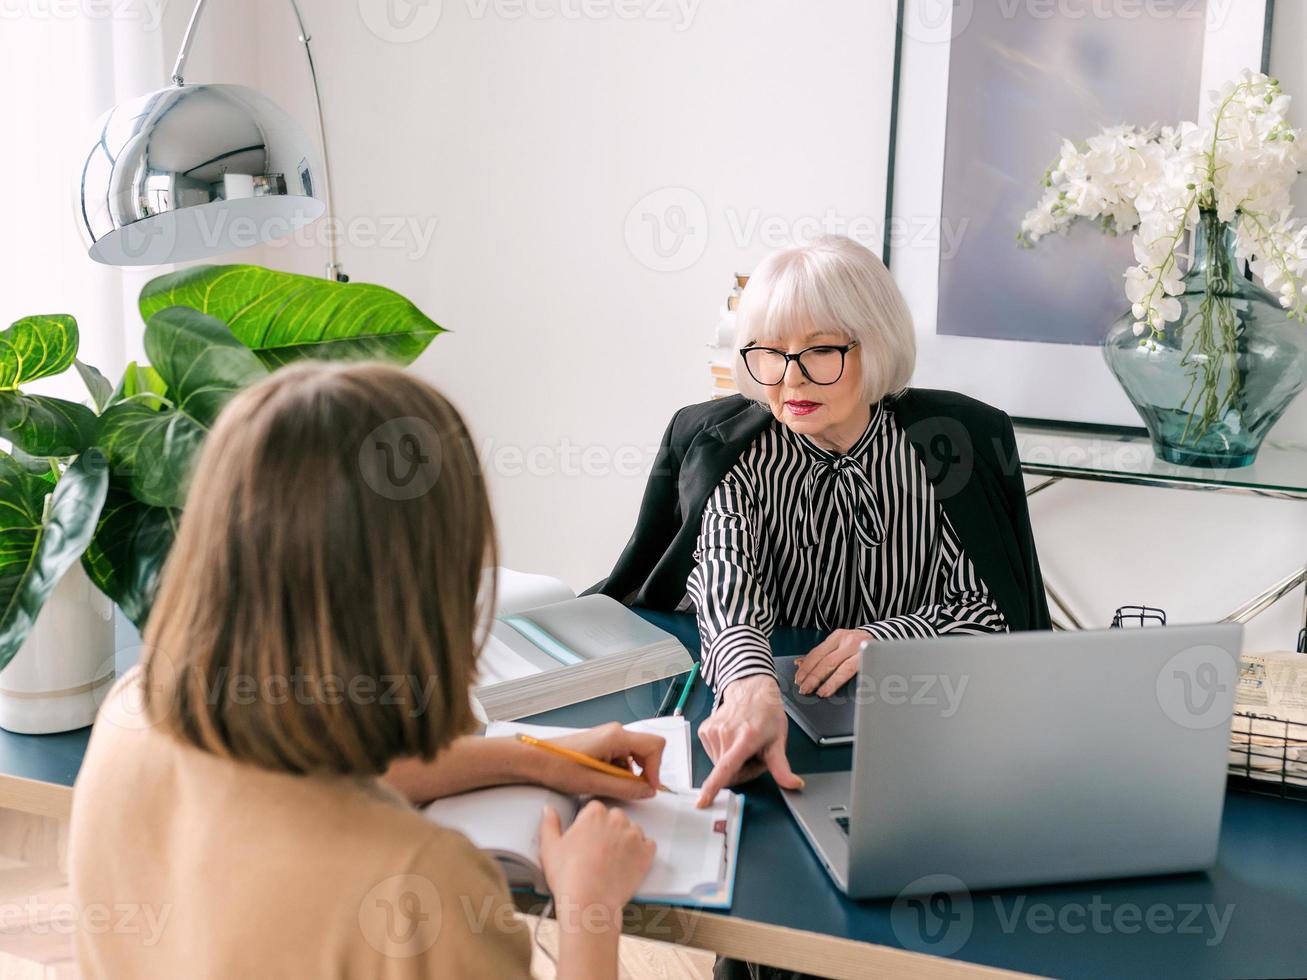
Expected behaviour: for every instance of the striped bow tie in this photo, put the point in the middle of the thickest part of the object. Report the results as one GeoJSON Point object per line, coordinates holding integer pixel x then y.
{"type": "Point", "coordinates": [841, 507]}
{"type": "Point", "coordinates": [840, 497]}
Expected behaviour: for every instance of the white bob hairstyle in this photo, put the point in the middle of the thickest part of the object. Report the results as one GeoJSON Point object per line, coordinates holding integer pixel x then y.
{"type": "Point", "coordinates": [831, 285]}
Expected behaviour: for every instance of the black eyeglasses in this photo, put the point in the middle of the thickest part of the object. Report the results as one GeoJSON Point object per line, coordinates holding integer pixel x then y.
{"type": "Point", "coordinates": [822, 365]}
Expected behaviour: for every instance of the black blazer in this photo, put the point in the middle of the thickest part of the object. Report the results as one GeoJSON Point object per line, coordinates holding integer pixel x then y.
{"type": "Point", "coordinates": [970, 455]}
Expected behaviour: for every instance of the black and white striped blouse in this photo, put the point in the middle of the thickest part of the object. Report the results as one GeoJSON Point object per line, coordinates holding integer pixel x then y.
{"type": "Point", "coordinates": [796, 535]}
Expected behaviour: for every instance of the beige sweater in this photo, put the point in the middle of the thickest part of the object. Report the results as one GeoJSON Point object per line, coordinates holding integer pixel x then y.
{"type": "Point", "coordinates": [186, 865]}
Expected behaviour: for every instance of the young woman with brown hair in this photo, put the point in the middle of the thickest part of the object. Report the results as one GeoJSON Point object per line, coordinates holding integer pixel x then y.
{"type": "Point", "coordinates": [248, 789]}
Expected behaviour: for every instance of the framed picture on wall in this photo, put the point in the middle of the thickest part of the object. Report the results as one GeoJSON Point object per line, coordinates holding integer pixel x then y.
{"type": "Point", "coordinates": [986, 90]}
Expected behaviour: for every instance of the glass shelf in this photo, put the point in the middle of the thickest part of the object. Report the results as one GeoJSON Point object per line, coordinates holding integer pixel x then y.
{"type": "Point", "coordinates": [1123, 455]}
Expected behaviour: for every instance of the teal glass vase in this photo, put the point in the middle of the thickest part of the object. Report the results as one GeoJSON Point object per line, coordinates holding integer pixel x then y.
{"type": "Point", "coordinates": [1223, 373]}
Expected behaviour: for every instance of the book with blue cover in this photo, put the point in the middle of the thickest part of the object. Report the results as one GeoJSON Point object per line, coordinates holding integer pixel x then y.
{"type": "Point", "coordinates": [568, 650]}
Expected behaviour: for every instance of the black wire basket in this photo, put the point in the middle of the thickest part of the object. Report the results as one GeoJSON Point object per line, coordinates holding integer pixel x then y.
{"type": "Point", "coordinates": [1268, 754]}
{"type": "Point", "coordinates": [1138, 616]}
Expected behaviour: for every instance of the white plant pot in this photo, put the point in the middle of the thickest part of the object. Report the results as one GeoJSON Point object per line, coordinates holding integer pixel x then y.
{"type": "Point", "coordinates": [59, 676]}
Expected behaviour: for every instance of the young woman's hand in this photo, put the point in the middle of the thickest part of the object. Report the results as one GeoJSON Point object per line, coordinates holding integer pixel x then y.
{"type": "Point", "coordinates": [598, 863]}
{"type": "Point", "coordinates": [473, 762]}
{"type": "Point", "coordinates": [830, 663]}
{"type": "Point", "coordinates": [611, 743]}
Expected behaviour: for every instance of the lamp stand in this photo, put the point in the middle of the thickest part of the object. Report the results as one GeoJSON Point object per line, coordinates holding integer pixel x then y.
{"type": "Point", "coordinates": [334, 270]}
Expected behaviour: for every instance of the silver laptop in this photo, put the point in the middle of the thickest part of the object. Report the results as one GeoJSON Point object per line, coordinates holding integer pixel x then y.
{"type": "Point", "coordinates": [1029, 758]}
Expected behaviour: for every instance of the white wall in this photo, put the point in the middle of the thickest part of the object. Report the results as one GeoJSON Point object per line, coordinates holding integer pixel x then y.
{"type": "Point", "coordinates": [528, 141]}
{"type": "Point", "coordinates": [74, 69]}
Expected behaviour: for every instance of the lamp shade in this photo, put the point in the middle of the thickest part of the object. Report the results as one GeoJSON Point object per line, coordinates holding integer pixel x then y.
{"type": "Point", "coordinates": [193, 171]}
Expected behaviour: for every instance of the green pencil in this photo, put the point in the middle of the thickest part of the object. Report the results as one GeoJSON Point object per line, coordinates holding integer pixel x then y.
{"type": "Point", "coordinates": [685, 694]}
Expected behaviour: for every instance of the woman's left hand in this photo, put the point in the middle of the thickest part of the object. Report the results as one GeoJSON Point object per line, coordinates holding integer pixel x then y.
{"type": "Point", "coordinates": [829, 664]}
{"type": "Point", "coordinates": [611, 743]}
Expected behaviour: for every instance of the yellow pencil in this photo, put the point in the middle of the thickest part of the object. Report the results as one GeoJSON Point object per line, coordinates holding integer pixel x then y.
{"type": "Point", "coordinates": [590, 762]}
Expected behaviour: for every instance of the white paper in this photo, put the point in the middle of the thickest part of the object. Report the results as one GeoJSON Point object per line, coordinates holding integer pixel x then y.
{"type": "Point", "coordinates": [518, 591]}
{"type": "Point", "coordinates": [675, 771]}
{"type": "Point", "coordinates": [500, 662]}
{"type": "Point", "coordinates": [690, 860]}
{"type": "Point", "coordinates": [503, 817]}
{"type": "Point", "coordinates": [1271, 685]}
{"type": "Point", "coordinates": [1274, 683]}
{"type": "Point", "coordinates": [690, 852]}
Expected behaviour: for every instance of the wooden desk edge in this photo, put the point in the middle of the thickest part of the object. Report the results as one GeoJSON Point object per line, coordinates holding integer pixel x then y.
{"type": "Point", "coordinates": [35, 797]}
{"type": "Point", "coordinates": [779, 946]}
{"type": "Point", "coordinates": [783, 947]}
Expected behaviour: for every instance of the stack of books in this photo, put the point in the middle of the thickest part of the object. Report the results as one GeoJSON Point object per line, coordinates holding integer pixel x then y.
{"type": "Point", "coordinates": [547, 649]}
{"type": "Point", "coordinates": [722, 346]}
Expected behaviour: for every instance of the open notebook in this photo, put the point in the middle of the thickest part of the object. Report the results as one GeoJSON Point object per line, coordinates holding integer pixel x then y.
{"type": "Point", "coordinates": [697, 849]}
{"type": "Point", "coordinates": [547, 649]}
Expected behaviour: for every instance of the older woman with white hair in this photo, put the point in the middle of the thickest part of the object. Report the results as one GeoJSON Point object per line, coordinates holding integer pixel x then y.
{"type": "Point", "coordinates": [828, 494]}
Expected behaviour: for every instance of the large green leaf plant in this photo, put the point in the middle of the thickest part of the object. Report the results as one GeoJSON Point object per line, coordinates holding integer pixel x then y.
{"type": "Point", "coordinates": [108, 485]}
{"type": "Point", "coordinates": [52, 481]}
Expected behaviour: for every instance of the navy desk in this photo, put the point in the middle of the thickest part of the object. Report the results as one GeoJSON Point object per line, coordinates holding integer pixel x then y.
{"type": "Point", "coordinates": [787, 912]}
{"type": "Point", "coordinates": [37, 771]}
{"type": "Point", "coordinates": [1246, 918]}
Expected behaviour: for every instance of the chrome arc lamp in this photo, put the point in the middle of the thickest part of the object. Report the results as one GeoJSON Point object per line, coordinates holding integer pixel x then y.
{"type": "Point", "coordinates": [193, 171]}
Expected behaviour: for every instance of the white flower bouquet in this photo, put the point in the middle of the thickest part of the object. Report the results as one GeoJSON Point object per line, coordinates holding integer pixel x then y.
{"type": "Point", "coordinates": [1224, 186]}
{"type": "Point", "coordinates": [1155, 182]}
